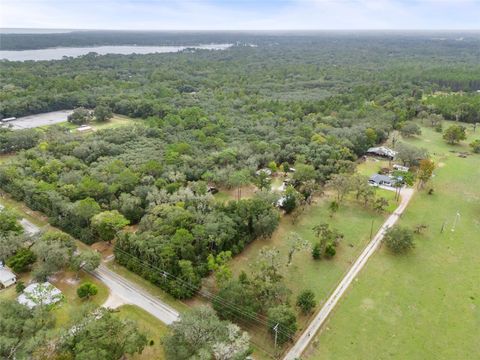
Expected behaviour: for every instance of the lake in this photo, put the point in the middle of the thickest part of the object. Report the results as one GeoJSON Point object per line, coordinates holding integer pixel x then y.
{"type": "Point", "coordinates": [59, 53]}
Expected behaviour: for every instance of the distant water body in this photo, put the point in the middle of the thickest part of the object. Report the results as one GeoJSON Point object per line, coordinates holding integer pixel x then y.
{"type": "Point", "coordinates": [60, 52]}
{"type": "Point", "coordinates": [33, 31]}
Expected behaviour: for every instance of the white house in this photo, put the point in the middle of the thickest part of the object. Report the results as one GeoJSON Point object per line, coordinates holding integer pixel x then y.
{"type": "Point", "coordinates": [7, 278]}
{"type": "Point", "coordinates": [40, 294]}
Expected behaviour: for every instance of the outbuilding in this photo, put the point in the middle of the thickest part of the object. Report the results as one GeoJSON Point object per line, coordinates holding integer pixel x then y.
{"type": "Point", "coordinates": [382, 151]}
{"type": "Point", "coordinates": [265, 171]}
{"type": "Point", "coordinates": [7, 277]}
{"type": "Point", "coordinates": [400, 168]}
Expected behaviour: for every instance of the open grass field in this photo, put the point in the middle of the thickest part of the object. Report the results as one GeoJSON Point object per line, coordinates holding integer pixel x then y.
{"type": "Point", "coordinates": [371, 166]}
{"type": "Point", "coordinates": [225, 195]}
{"type": "Point", "coordinates": [154, 329]}
{"type": "Point", "coordinates": [425, 304]}
{"type": "Point", "coordinates": [321, 276]}
{"type": "Point", "coordinates": [115, 122]}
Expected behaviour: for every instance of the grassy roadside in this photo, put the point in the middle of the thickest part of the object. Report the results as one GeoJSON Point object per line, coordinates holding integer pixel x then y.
{"type": "Point", "coordinates": [425, 304]}
{"type": "Point", "coordinates": [152, 327]}
{"type": "Point", "coordinates": [352, 219]}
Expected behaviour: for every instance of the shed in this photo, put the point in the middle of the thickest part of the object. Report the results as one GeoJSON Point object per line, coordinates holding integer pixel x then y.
{"type": "Point", "coordinates": [266, 171]}
{"type": "Point", "coordinates": [7, 278]}
{"type": "Point", "coordinates": [400, 168]}
{"type": "Point", "coordinates": [40, 294]}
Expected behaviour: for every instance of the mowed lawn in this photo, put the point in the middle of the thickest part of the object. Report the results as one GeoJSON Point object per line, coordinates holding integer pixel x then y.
{"type": "Point", "coordinates": [321, 276]}
{"type": "Point", "coordinates": [425, 304]}
{"type": "Point", "coordinates": [68, 283]}
{"type": "Point", "coordinates": [151, 326]}
{"type": "Point", "coordinates": [115, 122]}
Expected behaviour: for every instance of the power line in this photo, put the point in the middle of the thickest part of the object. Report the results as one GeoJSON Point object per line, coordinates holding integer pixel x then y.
{"type": "Point", "coordinates": [238, 317]}
{"type": "Point", "coordinates": [206, 294]}
{"type": "Point", "coordinates": [203, 293]}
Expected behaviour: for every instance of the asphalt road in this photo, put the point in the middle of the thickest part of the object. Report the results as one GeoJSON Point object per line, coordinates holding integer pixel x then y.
{"type": "Point", "coordinates": [133, 294]}
{"type": "Point", "coordinates": [33, 121]}
{"type": "Point", "coordinates": [309, 333]}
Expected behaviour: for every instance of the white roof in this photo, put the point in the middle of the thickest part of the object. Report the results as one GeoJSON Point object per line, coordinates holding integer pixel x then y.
{"type": "Point", "coordinates": [6, 275]}
{"type": "Point", "coordinates": [84, 128]}
{"type": "Point", "coordinates": [40, 294]}
{"type": "Point", "coordinates": [400, 167]}
{"type": "Point", "coordinates": [265, 170]}
{"type": "Point", "coordinates": [382, 150]}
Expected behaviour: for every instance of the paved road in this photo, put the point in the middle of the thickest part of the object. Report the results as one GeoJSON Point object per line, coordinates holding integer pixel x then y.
{"type": "Point", "coordinates": [133, 294]}
{"type": "Point", "coordinates": [124, 289]}
{"type": "Point", "coordinates": [33, 121]}
{"type": "Point", "coordinates": [303, 341]}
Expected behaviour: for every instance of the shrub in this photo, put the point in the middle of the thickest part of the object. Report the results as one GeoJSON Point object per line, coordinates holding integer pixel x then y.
{"type": "Point", "coordinates": [21, 260]}
{"type": "Point", "coordinates": [86, 290]}
{"type": "Point", "coordinates": [330, 250]}
{"type": "Point", "coordinates": [454, 134]}
{"type": "Point", "coordinates": [19, 287]}
{"type": "Point", "coordinates": [475, 145]}
{"type": "Point", "coordinates": [316, 251]}
{"type": "Point", "coordinates": [306, 301]}
{"type": "Point", "coordinates": [399, 239]}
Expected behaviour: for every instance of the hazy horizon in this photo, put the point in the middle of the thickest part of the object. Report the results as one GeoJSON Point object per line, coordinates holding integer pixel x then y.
{"type": "Point", "coordinates": [64, 30]}
{"type": "Point", "coordinates": [237, 15]}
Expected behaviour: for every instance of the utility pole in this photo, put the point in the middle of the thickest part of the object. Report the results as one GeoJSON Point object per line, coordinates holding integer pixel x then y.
{"type": "Point", "coordinates": [457, 216]}
{"type": "Point", "coordinates": [275, 328]}
{"type": "Point", "coordinates": [443, 226]}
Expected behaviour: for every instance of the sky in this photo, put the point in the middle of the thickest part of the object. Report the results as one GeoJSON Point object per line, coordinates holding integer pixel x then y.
{"type": "Point", "coordinates": [241, 14]}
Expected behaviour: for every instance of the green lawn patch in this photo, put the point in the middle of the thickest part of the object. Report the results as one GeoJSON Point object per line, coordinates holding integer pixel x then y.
{"type": "Point", "coordinates": [372, 166]}
{"type": "Point", "coordinates": [115, 122]}
{"type": "Point", "coordinates": [222, 196]}
{"type": "Point", "coordinates": [68, 284]}
{"type": "Point", "coordinates": [148, 324]}
{"type": "Point", "coordinates": [424, 304]}
{"type": "Point", "coordinates": [321, 276]}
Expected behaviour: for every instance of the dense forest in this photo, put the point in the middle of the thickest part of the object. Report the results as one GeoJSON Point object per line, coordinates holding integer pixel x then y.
{"type": "Point", "coordinates": [213, 118]}
{"type": "Point", "coordinates": [280, 72]}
